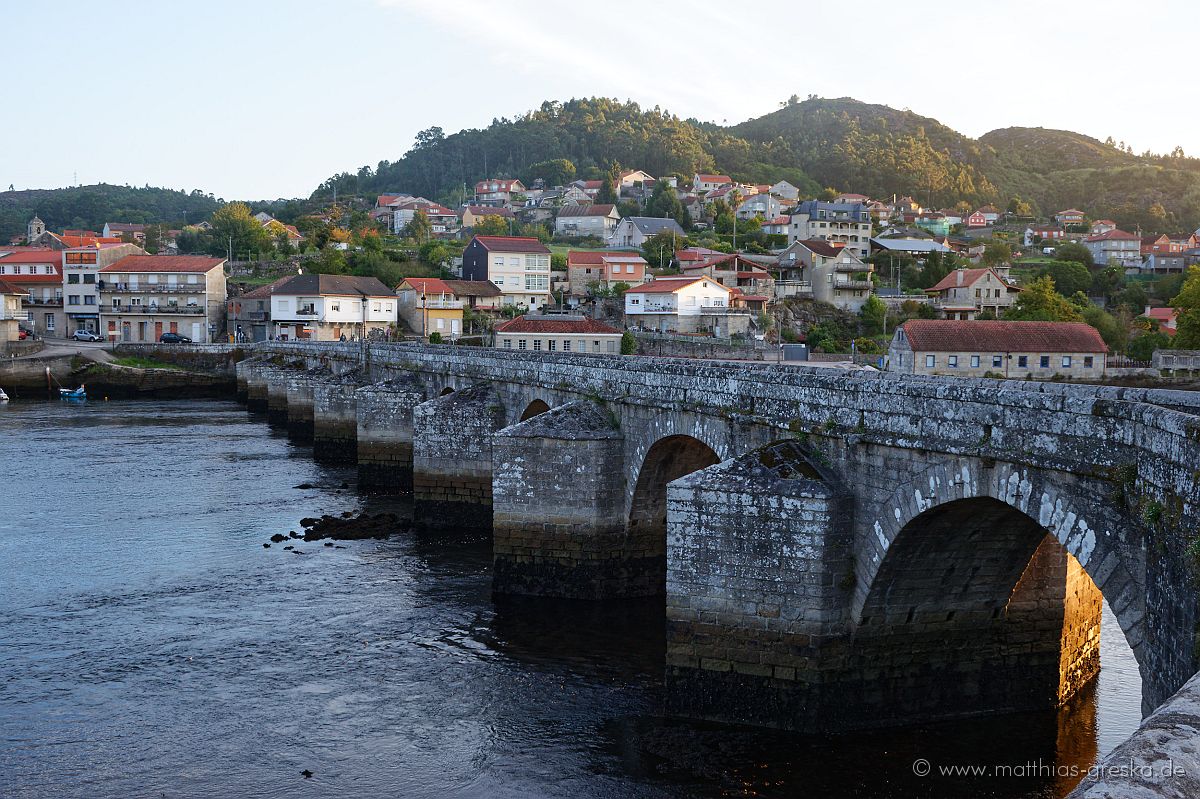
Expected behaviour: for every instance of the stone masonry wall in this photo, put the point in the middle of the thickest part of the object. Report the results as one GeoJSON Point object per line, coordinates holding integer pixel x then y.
{"type": "Point", "coordinates": [558, 487]}
{"type": "Point", "coordinates": [335, 419]}
{"type": "Point", "coordinates": [452, 458]}
{"type": "Point", "coordinates": [385, 434]}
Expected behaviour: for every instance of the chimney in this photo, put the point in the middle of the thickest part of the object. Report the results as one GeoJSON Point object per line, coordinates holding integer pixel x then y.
{"type": "Point", "coordinates": [959, 272]}
{"type": "Point", "coordinates": [1147, 310]}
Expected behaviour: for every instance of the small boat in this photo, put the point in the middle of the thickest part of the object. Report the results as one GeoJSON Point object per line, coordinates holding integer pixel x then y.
{"type": "Point", "coordinates": [72, 394]}
{"type": "Point", "coordinates": [3, 396]}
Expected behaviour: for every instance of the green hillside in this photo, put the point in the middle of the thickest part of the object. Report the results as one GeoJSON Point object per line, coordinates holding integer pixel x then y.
{"type": "Point", "coordinates": [840, 143]}
{"type": "Point", "coordinates": [89, 207]}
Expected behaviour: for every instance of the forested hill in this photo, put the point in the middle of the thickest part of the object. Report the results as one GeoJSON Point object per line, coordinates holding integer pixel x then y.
{"type": "Point", "coordinates": [814, 143]}
{"type": "Point", "coordinates": [89, 207]}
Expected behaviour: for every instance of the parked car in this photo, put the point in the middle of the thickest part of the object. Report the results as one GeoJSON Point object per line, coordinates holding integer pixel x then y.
{"type": "Point", "coordinates": [86, 335]}
{"type": "Point", "coordinates": [23, 334]}
{"type": "Point", "coordinates": [173, 338]}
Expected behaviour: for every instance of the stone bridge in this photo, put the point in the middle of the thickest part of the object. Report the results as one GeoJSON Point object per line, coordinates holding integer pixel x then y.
{"type": "Point", "coordinates": [836, 550]}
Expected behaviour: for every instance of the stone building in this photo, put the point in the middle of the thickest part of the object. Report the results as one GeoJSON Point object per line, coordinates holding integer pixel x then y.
{"type": "Point", "coordinates": [966, 293]}
{"type": "Point", "coordinates": [144, 296]}
{"type": "Point", "coordinates": [1038, 350]}
{"type": "Point", "coordinates": [558, 333]}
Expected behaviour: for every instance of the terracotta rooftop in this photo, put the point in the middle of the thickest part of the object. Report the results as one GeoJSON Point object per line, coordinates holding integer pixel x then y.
{"type": "Point", "coordinates": [512, 244]}
{"type": "Point", "coordinates": [948, 335]}
{"type": "Point", "coordinates": [969, 278]}
{"type": "Point", "coordinates": [523, 325]}
{"type": "Point", "coordinates": [164, 263]}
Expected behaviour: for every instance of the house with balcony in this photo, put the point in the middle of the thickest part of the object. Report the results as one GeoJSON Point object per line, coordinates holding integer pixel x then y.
{"type": "Point", "coordinates": [81, 268]}
{"type": "Point", "coordinates": [597, 221]}
{"type": "Point", "coordinates": [12, 313]}
{"type": "Point", "coordinates": [472, 215]}
{"type": "Point", "coordinates": [332, 307]}
{"type": "Point", "coordinates": [144, 296]}
{"type": "Point", "coordinates": [38, 272]}
{"type": "Point", "coordinates": [826, 272]}
{"type": "Point", "coordinates": [632, 231]}
{"type": "Point", "coordinates": [702, 183]}
{"type": "Point", "coordinates": [685, 305]}
{"type": "Point", "coordinates": [428, 305]}
{"type": "Point", "coordinates": [498, 192]}
{"type": "Point", "coordinates": [732, 270]}
{"type": "Point", "coordinates": [248, 315]}
{"type": "Point", "coordinates": [1102, 226]}
{"type": "Point", "coordinates": [482, 296]}
{"type": "Point", "coordinates": [848, 224]}
{"type": "Point", "coordinates": [442, 221]}
{"type": "Point", "coordinates": [518, 265]}
{"type": "Point", "coordinates": [1116, 247]}
{"type": "Point", "coordinates": [1071, 216]}
{"type": "Point", "coordinates": [965, 293]}
{"type": "Point", "coordinates": [759, 206]}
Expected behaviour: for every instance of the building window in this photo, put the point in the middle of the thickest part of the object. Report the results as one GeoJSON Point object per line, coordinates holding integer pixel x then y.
{"type": "Point", "coordinates": [1088, 361]}
{"type": "Point", "coordinates": [1066, 361]}
{"type": "Point", "coordinates": [566, 345]}
{"type": "Point", "coordinates": [1044, 361]}
{"type": "Point", "coordinates": [72, 299]}
{"type": "Point", "coordinates": [612, 346]}
{"type": "Point", "coordinates": [997, 360]}
{"type": "Point", "coordinates": [521, 344]}
{"type": "Point", "coordinates": [72, 278]}
{"type": "Point", "coordinates": [952, 361]}
{"type": "Point", "coordinates": [49, 321]}
{"type": "Point", "coordinates": [930, 361]}
{"type": "Point", "coordinates": [537, 343]}
{"type": "Point", "coordinates": [508, 343]}
{"type": "Point", "coordinates": [974, 360]}
{"type": "Point", "coordinates": [553, 345]}
{"type": "Point", "coordinates": [1023, 361]}
{"type": "Point", "coordinates": [90, 279]}
{"type": "Point", "coordinates": [335, 306]}
{"type": "Point", "coordinates": [89, 299]}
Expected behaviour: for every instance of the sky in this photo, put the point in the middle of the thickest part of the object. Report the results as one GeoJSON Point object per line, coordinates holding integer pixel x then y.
{"type": "Point", "coordinates": [260, 99]}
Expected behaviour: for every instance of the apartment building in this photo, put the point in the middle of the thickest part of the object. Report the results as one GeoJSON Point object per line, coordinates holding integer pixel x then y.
{"type": "Point", "coordinates": [144, 296]}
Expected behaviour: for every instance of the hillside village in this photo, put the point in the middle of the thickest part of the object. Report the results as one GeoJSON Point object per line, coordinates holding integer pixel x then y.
{"type": "Point", "coordinates": [699, 258]}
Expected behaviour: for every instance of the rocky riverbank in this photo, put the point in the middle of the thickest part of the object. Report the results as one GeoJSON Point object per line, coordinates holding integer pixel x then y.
{"type": "Point", "coordinates": [38, 378]}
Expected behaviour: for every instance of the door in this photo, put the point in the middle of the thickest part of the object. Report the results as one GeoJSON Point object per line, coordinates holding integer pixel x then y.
{"type": "Point", "coordinates": [174, 327]}
{"type": "Point", "coordinates": [157, 330]}
{"type": "Point", "coordinates": [198, 332]}
{"type": "Point", "coordinates": [125, 333]}
{"type": "Point", "coordinates": [143, 328]}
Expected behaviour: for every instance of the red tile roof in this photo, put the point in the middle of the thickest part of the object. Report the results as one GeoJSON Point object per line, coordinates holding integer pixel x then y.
{"type": "Point", "coordinates": [714, 178]}
{"type": "Point", "coordinates": [948, 335]}
{"type": "Point", "coordinates": [512, 244]}
{"type": "Point", "coordinates": [604, 209]}
{"type": "Point", "coordinates": [587, 326]}
{"type": "Point", "coordinates": [40, 255]}
{"type": "Point", "coordinates": [9, 288]}
{"type": "Point", "coordinates": [671, 284]}
{"type": "Point", "coordinates": [488, 210]}
{"type": "Point", "coordinates": [164, 263]}
{"type": "Point", "coordinates": [428, 285]}
{"type": "Point", "coordinates": [584, 257]}
{"type": "Point", "coordinates": [969, 278]}
{"type": "Point", "coordinates": [1112, 235]}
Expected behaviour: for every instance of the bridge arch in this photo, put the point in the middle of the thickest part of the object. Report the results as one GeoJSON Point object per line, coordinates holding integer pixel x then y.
{"type": "Point", "coordinates": [446, 390]}
{"type": "Point", "coordinates": [534, 408]}
{"type": "Point", "coordinates": [972, 562]}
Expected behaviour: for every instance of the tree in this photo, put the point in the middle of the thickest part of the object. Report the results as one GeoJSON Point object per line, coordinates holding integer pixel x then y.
{"type": "Point", "coordinates": [607, 194]}
{"type": "Point", "coordinates": [1115, 334]}
{"type": "Point", "coordinates": [1069, 276]}
{"type": "Point", "coordinates": [1142, 348]}
{"type": "Point", "coordinates": [996, 253]}
{"type": "Point", "coordinates": [1018, 207]}
{"type": "Point", "coordinates": [233, 226]}
{"type": "Point", "coordinates": [1073, 251]}
{"type": "Point", "coordinates": [1039, 302]}
{"type": "Point", "coordinates": [492, 225]}
{"type": "Point", "coordinates": [332, 261]}
{"type": "Point", "coordinates": [1107, 282]}
{"type": "Point", "coordinates": [874, 315]}
{"type": "Point", "coordinates": [659, 249]}
{"type": "Point", "coordinates": [556, 172]}
{"type": "Point", "coordinates": [1187, 306]}
{"type": "Point", "coordinates": [628, 343]}
{"type": "Point", "coordinates": [434, 253]}
{"type": "Point", "coordinates": [419, 228]}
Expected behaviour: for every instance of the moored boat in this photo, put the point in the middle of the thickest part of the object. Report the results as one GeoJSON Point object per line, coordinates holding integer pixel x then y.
{"type": "Point", "coordinates": [73, 394]}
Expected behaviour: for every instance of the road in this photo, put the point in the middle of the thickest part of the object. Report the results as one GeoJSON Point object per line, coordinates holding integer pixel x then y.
{"type": "Point", "coordinates": [60, 347]}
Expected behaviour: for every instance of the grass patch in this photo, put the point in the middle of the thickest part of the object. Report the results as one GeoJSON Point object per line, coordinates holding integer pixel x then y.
{"type": "Point", "coordinates": [144, 363]}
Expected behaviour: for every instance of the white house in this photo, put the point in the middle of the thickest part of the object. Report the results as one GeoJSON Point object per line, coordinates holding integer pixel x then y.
{"type": "Point", "coordinates": [327, 307]}
{"type": "Point", "coordinates": [632, 231]}
{"type": "Point", "coordinates": [702, 183]}
{"type": "Point", "coordinates": [761, 206]}
{"type": "Point", "coordinates": [685, 305]}
{"type": "Point", "coordinates": [518, 265]}
{"type": "Point", "coordinates": [586, 220]}
{"type": "Point", "coordinates": [785, 191]}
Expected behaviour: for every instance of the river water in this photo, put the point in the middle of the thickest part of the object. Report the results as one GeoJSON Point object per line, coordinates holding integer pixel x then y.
{"type": "Point", "coordinates": [151, 647]}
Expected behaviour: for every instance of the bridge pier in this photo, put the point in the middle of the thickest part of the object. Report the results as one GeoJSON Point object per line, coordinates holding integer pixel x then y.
{"type": "Point", "coordinates": [558, 490]}
{"type": "Point", "coordinates": [242, 370]}
{"type": "Point", "coordinates": [758, 560]}
{"type": "Point", "coordinates": [256, 387]}
{"type": "Point", "coordinates": [335, 419]}
{"type": "Point", "coordinates": [277, 395]}
{"type": "Point", "coordinates": [452, 458]}
{"type": "Point", "coordinates": [384, 414]}
{"type": "Point", "coordinates": [300, 405]}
